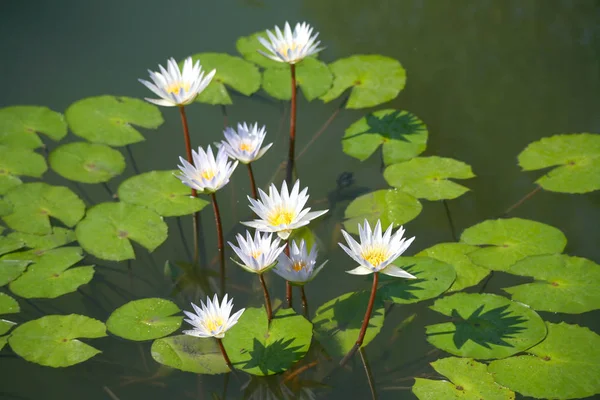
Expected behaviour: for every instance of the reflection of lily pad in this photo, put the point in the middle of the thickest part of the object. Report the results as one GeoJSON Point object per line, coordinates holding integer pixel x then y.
{"type": "Point", "coordinates": [145, 319]}
{"type": "Point", "coordinates": [191, 354]}
{"type": "Point", "coordinates": [485, 326]}
{"type": "Point", "coordinates": [58, 237]}
{"type": "Point", "coordinates": [86, 162]}
{"type": "Point", "coordinates": [19, 126]}
{"type": "Point", "coordinates": [15, 161]}
{"type": "Point", "coordinates": [312, 75]}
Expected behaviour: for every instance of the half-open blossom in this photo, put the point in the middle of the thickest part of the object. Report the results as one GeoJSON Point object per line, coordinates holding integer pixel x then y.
{"type": "Point", "coordinates": [208, 174]}
{"type": "Point", "coordinates": [212, 319]}
{"type": "Point", "coordinates": [300, 267]}
{"type": "Point", "coordinates": [290, 47]}
{"type": "Point", "coordinates": [177, 87]}
{"type": "Point", "coordinates": [244, 145]}
{"type": "Point", "coordinates": [376, 251]}
{"type": "Point", "coordinates": [282, 212]}
{"type": "Point", "coordinates": [257, 255]}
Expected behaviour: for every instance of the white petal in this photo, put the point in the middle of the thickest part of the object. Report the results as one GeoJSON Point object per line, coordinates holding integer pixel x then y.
{"type": "Point", "coordinates": [398, 272]}
{"type": "Point", "coordinates": [360, 270]}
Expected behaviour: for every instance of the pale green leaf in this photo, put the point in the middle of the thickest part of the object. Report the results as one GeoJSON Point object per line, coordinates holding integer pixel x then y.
{"type": "Point", "coordinates": [19, 126]}
{"type": "Point", "coordinates": [16, 161]}
{"type": "Point", "coordinates": [312, 76]}
{"type": "Point", "coordinates": [190, 354]}
{"type": "Point", "coordinates": [145, 319]}
{"type": "Point", "coordinates": [86, 162]}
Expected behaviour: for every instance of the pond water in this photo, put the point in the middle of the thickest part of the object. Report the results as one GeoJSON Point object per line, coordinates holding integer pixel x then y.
{"type": "Point", "coordinates": [487, 77]}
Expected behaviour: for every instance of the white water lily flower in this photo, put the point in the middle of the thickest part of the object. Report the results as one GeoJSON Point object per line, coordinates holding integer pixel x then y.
{"type": "Point", "coordinates": [257, 255]}
{"type": "Point", "coordinates": [281, 212]}
{"type": "Point", "coordinates": [244, 145]}
{"type": "Point", "coordinates": [178, 87]}
{"type": "Point", "coordinates": [290, 47]}
{"type": "Point", "coordinates": [299, 267]}
{"type": "Point", "coordinates": [377, 251]}
{"type": "Point", "coordinates": [208, 174]}
{"type": "Point", "coordinates": [212, 319]}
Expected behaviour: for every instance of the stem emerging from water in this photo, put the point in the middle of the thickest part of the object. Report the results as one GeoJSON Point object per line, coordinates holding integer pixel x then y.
{"type": "Point", "coordinates": [523, 200]}
{"type": "Point", "coordinates": [304, 301]}
{"type": "Point", "coordinates": [252, 182]}
{"type": "Point", "coordinates": [225, 356]}
{"type": "Point", "coordinates": [220, 241]}
{"type": "Point", "coordinates": [288, 285]}
{"type": "Point", "coordinates": [290, 164]}
{"type": "Point", "coordinates": [267, 297]}
{"type": "Point", "coordinates": [450, 221]}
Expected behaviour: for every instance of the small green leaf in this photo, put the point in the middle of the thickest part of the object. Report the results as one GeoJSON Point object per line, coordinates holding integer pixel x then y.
{"type": "Point", "coordinates": [16, 161]}
{"type": "Point", "coordinates": [58, 237]}
{"type": "Point", "coordinates": [145, 319]}
{"type": "Point", "coordinates": [190, 354]}
{"type": "Point", "coordinates": [19, 126]}
{"type": "Point", "coordinates": [9, 244]}
{"type": "Point", "coordinates": [312, 75]}
{"type": "Point", "coordinates": [248, 47]}
{"type": "Point", "coordinates": [8, 305]}
{"type": "Point", "coordinates": [109, 119]}
{"type": "Point", "coordinates": [87, 162]}
{"type": "Point", "coordinates": [374, 80]}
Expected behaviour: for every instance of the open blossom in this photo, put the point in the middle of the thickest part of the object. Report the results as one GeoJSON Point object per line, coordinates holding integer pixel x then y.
{"type": "Point", "coordinates": [212, 319]}
{"type": "Point", "coordinates": [300, 267]}
{"type": "Point", "coordinates": [290, 47]}
{"type": "Point", "coordinates": [257, 255]}
{"type": "Point", "coordinates": [244, 145]}
{"type": "Point", "coordinates": [208, 174]}
{"type": "Point", "coordinates": [177, 87]}
{"type": "Point", "coordinates": [376, 251]}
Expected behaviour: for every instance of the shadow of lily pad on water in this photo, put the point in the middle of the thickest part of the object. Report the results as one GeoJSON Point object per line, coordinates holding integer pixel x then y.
{"type": "Point", "coordinates": [15, 162]}
{"type": "Point", "coordinates": [19, 126]}
{"type": "Point", "coordinates": [145, 319]}
{"type": "Point", "coordinates": [190, 354]}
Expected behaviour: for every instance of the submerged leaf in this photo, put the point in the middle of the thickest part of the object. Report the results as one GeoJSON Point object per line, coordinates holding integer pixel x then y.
{"type": "Point", "coordinates": [312, 75]}
{"type": "Point", "coordinates": [190, 354]}
{"type": "Point", "coordinates": [19, 126]}
{"type": "Point", "coordinates": [145, 319]}
{"type": "Point", "coordinates": [86, 162]}
{"type": "Point", "coordinates": [15, 161]}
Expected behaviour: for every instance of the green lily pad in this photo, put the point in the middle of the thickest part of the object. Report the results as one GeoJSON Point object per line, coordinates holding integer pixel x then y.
{"type": "Point", "coordinates": [561, 283]}
{"type": "Point", "coordinates": [58, 237]}
{"type": "Point", "coordinates": [5, 207]}
{"type": "Point", "coordinates": [19, 126]}
{"type": "Point", "coordinates": [427, 177]}
{"type": "Point", "coordinates": [248, 47]}
{"type": "Point", "coordinates": [312, 75]}
{"type": "Point", "coordinates": [485, 326]}
{"type": "Point", "coordinates": [469, 380]}
{"type": "Point", "coordinates": [145, 319]}
{"type": "Point", "coordinates": [107, 228]}
{"type": "Point", "coordinates": [390, 206]}
{"type": "Point", "coordinates": [5, 326]}
{"type": "Point", "coordinates": [456, 254]}
{"type": "Point", "coordinates": [109, 119]}
{"type": "Point", "coordinates": [508, 240]}
{"type": "Point", "coordinates": [260, 348]}
{"type": "Point", "coordinates": [87, 162]}
{"type": "Point", "coordinates": [9, 244]}
{"type": "Point", "coordinates": [8, 182]}
{"type": "Point", "coordinates": [16, 161]}
{"type": "Point", "coordinates": [401, 135]}
{"type": "Point", "coordinates": [233, 72]}
{"type": "Point", "coordinates": [53, 340]}
{"type": "Point", "coordinates": [8, 305]}
{"type": "Point", "coordinates": [3, 341]}
{"type": "Point", "coordinates": [337, 323]}
{"type": "Point", "coordinates": [34, 203]}
{"type": "Point", "coordinates": [160, 191]}
{"type": "Point", "coordinates": [575, 156]}
{"type": "Point", "coordinates": [434, 277]}
{"type": "Point", "coordinates": [306, 234]}
{"type": "Point", "coordinates": [374, 80]}
{"type": "Point", "coordinates": [190, 354]}
{"type": "Point", "coordinates": [10, 269]}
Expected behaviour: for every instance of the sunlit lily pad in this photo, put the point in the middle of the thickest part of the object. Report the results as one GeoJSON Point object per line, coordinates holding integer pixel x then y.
{"type": "Point", "coordinates": [5, 208]}
{"type": "Point", "coordinates": [485, 326]}
{"type": "Point", "coordinates": [109, 119]}
{"type": "Point", "coordinates": [10, 268]}
{"type": "Point", "coordinates": [566, 365]}
{"type": "Point", "coordinates": [506, 241]}
{"type": "Point", "coordinates": [248, 47]}
{"type": "Point", "coordinates": [575, 156]}
{"type": "Point", "coordinates": [162, 192]}
{"type": "Point", "coordinates": [16, 161]}
{"type": "Point", "coordinates": [33, 204]}
{"type": "Point", "coordinates": [401, 135]}
{"type": "Point", "coordinates": [338, 322]}
{"type": "Point", "coordinates": [53, 340]}
{"type": "Point", "coordinates": [87, 162]}
{"type": "Point", "coordinates": [8, 305]}
{"type": "Point", "coordinates": [312, 75]}
{"type": "Point", "coordinates": [390, 206]}
{"type": "Point", "coordinates": [374, 79]}
{"type": "Point", "coordinates": [258, 348]}
{"type": "Point", "coordinates": [429, 177]}
{"type": "Point", "coordinates": [190, 354]}
{"type": "Point", "coordinates": [145, 319]}
{"type": "Point", "coordinates": [58, 237]}
{"type": "Point", "coordinates": [469, 380]}
{"type": "Point", "coordinates": [19, 126]}
{"type": "Point", "coordinates": [9, 244]}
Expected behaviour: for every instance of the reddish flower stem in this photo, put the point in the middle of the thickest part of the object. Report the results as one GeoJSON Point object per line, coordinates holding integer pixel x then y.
{"type": "Point", "coordinates": [220, 241]}
{"type": "Point", "coordinates": [267, 297]}
{"type": "Point", "coordinates": [290, 164]}
{"type": "Point", "coordinates": [225, 356]}
{"type": "Point", "coordinates": [288, 285]}
{"type": "Point", "coordinates": [252, 182]}
{"type": "Point", "coordinates": [304, 301]}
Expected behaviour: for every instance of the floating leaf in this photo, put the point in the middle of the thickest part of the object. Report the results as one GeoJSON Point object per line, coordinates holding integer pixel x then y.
{"type": "Point", "coordinates": [248, 47]}
{"type": "Point", "coordinates": [8, 182]}
{"type": "Point", "coordinates": [427, 177]}
{"type": "Point", "coordinates": [109, 119]}
{"type": "Point", "coordinates": [337, 323]}
{"type": "Point", "coordinates": [390, 206]}
{"type": "Point", "coordinates": [434, 277]}
{"type": "Point", "coordinates": [107, 228]}
{"type": "Point", "coordinates": [58, 237]}
{"type": "Point", "coordinates": [8, 305]}
{"type": "Point", "coordinates": [374, 79]}
{"type": "Point", "coordinates": [15, 161]}
{"type": "Point", "coordinates": [19, 125]}
{"type": "Point", "coordinates": [401, 135]}
{"type": "Point", "coordinates": [507, 241]}
{"type": "Point", "coordinates": [260, 348]}
{"type": "Point", "coordinates": [190, 354]}
{"type": "Point", "coordinates": [575, 156]}
{"type": "Point", "coordinates": [565, 365]}
{"type": "Point", "coordinates": [87, 162]}
{"type": "Point", "coordinates": [312, 75]}
{"type": "Point", "coordinates": [456, 254]}
{"type": "Point", "coordinates": [33, 204]}
{"type": "Point", "coordinates": [145, 319]}
{"type": "Point", "coordinates": [469, 380]}
{"type": "Point", "coordinates": [485, 326]}
{"type": "Point", "coordinates": [10, 269]}
{"type": "Point", "coordinates": [5, 207]}
{"type": "Point", "coordinates": [162, 192]}
{"type": "Point", "coordinates": [9, 244]}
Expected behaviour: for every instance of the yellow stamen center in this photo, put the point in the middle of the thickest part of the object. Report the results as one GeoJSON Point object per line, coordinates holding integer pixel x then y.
{"type": "Point", "coordinates": [299, 266]}
{"type": "Point", "coordinates": [208, 174]}
{"type": "Point", "coordinates": [281, 217]}
{"type": "Point", "coordinates": [246, 147]}
{"type": "Point", "coordinates": [288, 47]}
{"type": "Point", "coordinates": [213, 324]}
{"type": "Point", "coordinates": [375, 255]}
{"type": "Point", "coordinates": [175, 87]}
{"type": "Point", "coordinates": [256, 254]}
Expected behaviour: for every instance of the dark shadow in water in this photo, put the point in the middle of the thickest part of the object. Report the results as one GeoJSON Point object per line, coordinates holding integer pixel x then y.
{"type": "Point", "coordinates": [393, 126]}
{"type": "Point", "coordinates": [275, 357]}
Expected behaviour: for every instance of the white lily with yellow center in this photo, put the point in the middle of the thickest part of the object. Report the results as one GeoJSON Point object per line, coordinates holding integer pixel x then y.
{"type": "Point", "coordinates": [257, 255]}
{"type": "Point", "coordinates": [212, 319]}
{"type": "Point", "coordinates": [376, 251]}
{"type": "Point", "coordinates": [282, 212]}
{"type": "Point", "coordinates": [299, 267]}
{"type": "Point", "coordinates": [290, 47]}
{"type": "Point", "coordinates": [244, 145]}
{"type": "Point", "coordinates": [177, 87]}
{"type": "Point", "coordinates": [208, 174]}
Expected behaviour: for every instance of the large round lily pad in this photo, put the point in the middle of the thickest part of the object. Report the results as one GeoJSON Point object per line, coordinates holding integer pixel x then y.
{"type": "Point", "coordinates": [145, 319]}
{"type": "Point", "coordinates": [109, 119]}
{"type": "Point", "coordinates": [16, 161]}
{"type": "Point", "coordinates": [190, 354]}
{"type": "Point", "coordinates": [58, 237]}
{"type": "Point", "coordinates": [162, 192]}
{"type": "Point", "coordinates": [485, 326]}
{"type": "Point", "coordinates": [506, 241]}
{"type": "Point", "coordinates": [53, 340]}
{"type": "Point", "coordinates": [19, 126]}
{"type": "Point", "coordinates": [87, 162]}
{"type": "Point", "coordinates": [107, 228]}
{"type": "Point", "coordinates": [565, 365]}
{"type": "Point", "coordinates": [312, 76]}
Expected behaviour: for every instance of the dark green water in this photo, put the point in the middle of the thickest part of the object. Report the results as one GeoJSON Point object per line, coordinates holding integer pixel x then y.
{"type": "Point", "coordinates": [487, 77]}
